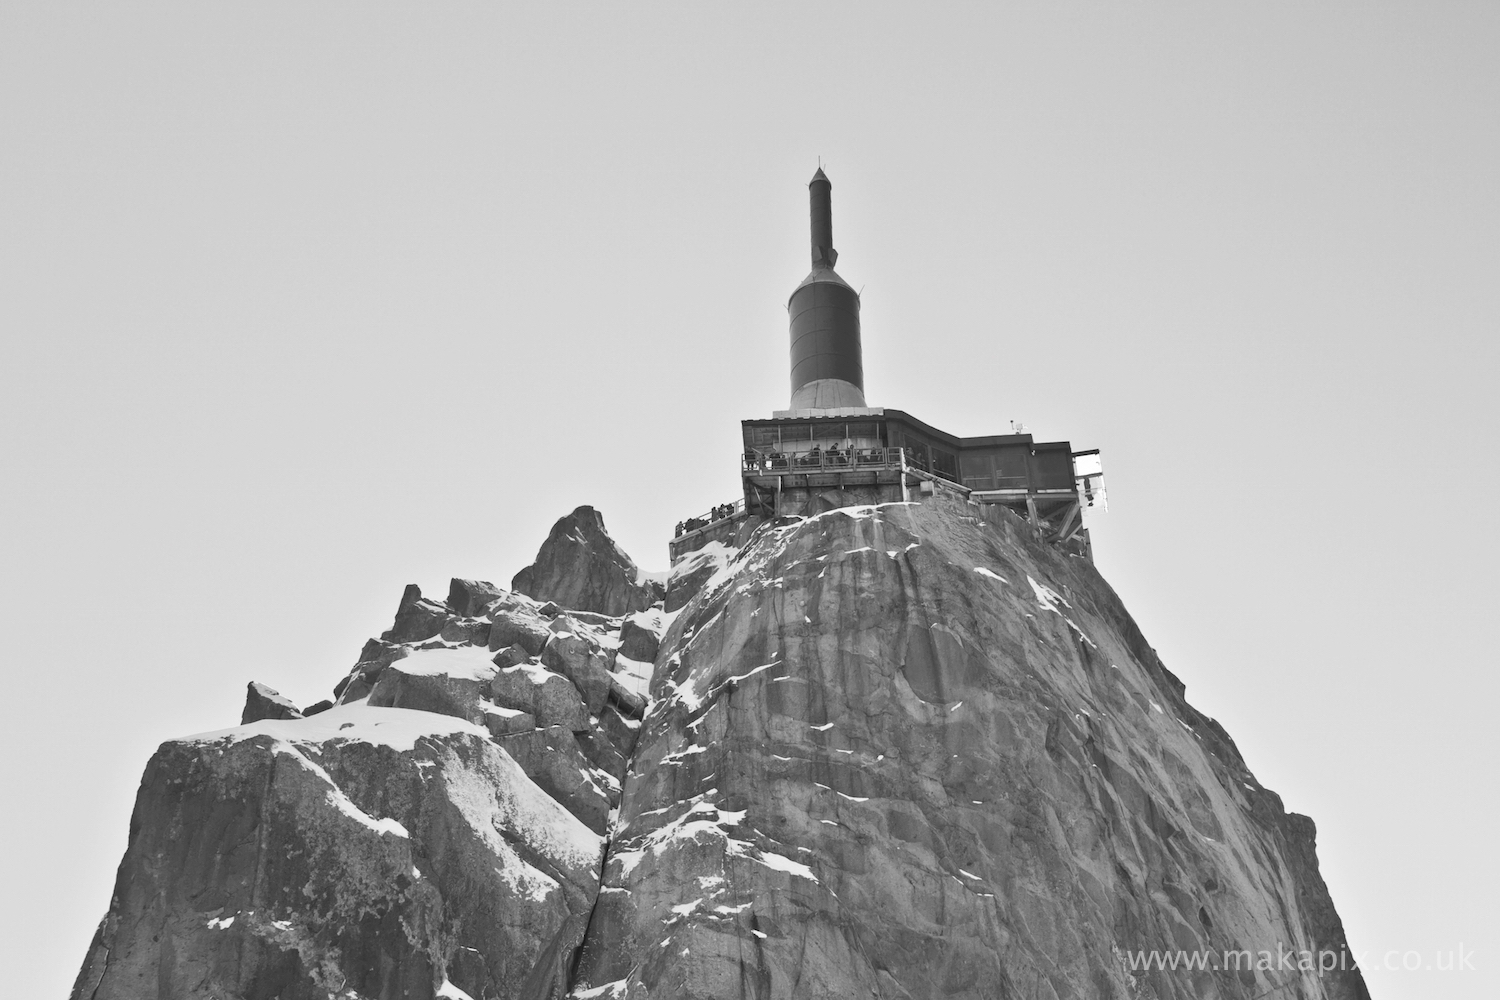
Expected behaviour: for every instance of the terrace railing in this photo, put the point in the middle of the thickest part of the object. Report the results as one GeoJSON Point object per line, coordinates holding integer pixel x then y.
{"type": "Point", "coordinates": [723, 512]}
{"type": "Point", "coordinates": [772, 463]}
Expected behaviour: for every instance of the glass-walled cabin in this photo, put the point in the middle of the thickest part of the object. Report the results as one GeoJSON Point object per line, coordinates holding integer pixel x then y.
{"type": "Point", "coordinates": [780, 446]}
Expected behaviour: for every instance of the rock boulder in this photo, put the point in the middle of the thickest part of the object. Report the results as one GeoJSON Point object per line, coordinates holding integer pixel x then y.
{"type": "Point", "coordinates": [581, 661]}
{"type": "Point", "coordinates": [640, 637]}
{"type": "Point", "coordinates": [262, 702]}
{"type": "Point", "coordinates": [517, 628]}
{"type": "Point", "coordinates": [550, 698]}
{"type": "Point", "coordinates": [445, 681]}
{"type": "Point", "coordinates": [470, 598]}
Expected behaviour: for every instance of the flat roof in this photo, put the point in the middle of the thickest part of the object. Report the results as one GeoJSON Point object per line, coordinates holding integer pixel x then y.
{"type": "Point", "coordinates": [953, 440]}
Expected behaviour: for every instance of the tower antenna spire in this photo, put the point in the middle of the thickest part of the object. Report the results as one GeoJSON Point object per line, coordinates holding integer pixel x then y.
{"type": "Point", "coordinates": [820, 198]}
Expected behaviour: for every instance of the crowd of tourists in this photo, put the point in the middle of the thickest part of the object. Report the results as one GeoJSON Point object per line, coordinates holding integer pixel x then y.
{"type": "Point", "coordinates": [815, 458]}
{"type": "Point", "coordinates": [719, 513]}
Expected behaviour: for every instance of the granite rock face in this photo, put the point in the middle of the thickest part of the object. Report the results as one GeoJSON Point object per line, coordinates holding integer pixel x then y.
{"type": "Point", "coordinates": [893, 752]}
{"type": "Point", "coordinates": [581, 568]}
{"type": "Point", "coordinates": [885, 752]}
{"type": "Point", "coordinates": [366, 852]}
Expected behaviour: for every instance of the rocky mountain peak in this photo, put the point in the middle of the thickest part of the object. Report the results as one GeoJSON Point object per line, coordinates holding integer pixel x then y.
{"type": "Point", "coordinates": [581, 567]}
{"type": "Point", "coordinates": [890, 751]}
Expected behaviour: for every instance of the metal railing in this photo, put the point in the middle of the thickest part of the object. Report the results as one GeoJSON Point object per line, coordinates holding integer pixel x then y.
{"type": "Point", "coordinates": [723, 512]}
{"type": "Point", "coordinates": [755, 463]}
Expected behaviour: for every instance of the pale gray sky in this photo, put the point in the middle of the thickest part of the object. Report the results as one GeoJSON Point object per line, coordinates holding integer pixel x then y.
{"type": "Point", "coordinates": [303, 302]}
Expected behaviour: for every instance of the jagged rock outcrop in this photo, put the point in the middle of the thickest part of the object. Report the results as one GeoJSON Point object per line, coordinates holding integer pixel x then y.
{"type": "Point", "coordinates": [262, 702]}
{"type": "Point", "coordinates": [886, 751]}
{"type": "Point", "coordinates": [581, 568]}
{"type": "Point", "coordinates": [437, 833]}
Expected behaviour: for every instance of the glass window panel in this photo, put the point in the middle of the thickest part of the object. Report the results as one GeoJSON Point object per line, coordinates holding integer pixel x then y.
{"type": "Point", "coordinates": [762, 438]}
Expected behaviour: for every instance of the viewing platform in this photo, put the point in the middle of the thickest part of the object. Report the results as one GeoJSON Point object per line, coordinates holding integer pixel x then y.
{"type": "Point", "coordinates": [778, 483]}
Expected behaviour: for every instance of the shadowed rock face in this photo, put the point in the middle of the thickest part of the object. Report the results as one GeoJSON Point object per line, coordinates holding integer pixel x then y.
{"type": "Point", "coordinates": [888, 752]}
{"type": "Point", "coordinates": [262, 702]}
{"type": "Point", "coordinates": [581, 568]}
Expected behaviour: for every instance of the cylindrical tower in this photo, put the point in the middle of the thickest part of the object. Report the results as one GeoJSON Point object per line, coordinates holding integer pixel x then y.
{"type": "Point", "coordinates": [827, 364]}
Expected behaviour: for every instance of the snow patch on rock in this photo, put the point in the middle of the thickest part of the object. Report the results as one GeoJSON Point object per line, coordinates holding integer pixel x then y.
{"type": "Point", "coordinates": [472, 663]}
{"type": "Point", "coordinates": [397, 728]}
